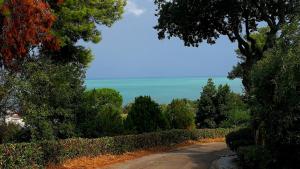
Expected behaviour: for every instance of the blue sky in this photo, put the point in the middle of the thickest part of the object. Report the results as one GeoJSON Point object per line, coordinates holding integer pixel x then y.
{"type": "Point", "coordinates": [130, 48]}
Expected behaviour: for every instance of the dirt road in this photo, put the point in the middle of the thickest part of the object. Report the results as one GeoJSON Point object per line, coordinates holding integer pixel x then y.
{"type": "Point", "coordinates": [199, 156]}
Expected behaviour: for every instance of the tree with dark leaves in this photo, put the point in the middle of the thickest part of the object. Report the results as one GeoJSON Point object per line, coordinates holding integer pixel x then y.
{"type": "Point", "coordinates": [195, 21]}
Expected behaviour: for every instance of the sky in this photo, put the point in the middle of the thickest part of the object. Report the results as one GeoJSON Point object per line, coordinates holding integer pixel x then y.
{"type": "Point", "coordinates": [131, 48]}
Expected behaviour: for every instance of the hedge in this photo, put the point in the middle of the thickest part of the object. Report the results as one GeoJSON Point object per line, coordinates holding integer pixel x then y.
{"type": "Point", "coordinates": [38, 155]}
{"type": "Point", "coordinates": [254, 156]}
{"type": "Point", "coordinates": [239, 138]}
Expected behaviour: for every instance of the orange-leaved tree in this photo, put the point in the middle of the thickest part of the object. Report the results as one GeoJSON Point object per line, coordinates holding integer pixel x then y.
{"type": "Point", "coordinates": [24, 25]}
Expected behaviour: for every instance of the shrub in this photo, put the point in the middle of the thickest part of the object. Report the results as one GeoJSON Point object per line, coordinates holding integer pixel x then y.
{"type": "Point", "coordinates": [145, 115]}
{"type": "Point", "coordinates": [101, 113]}
{"type": "Point", "coordinates": [8, 132]}
{"type": "Point", "coordinates": [22, 155]}
{"type": "Point", "coordinates": [37, 155]}
{"type": "Point", "coordinates": [13, 133]}
{"type": "Point", "coordinates": [180, 114]}
{"type": "Point", "coordinates": [96, 98]}
{"type": "Point", "coordinates": [241, 137]}
{"type": "Point", "coordinates": [236, 118]}
{"type": "Point", "coordinates": [251, 157]}
{"type": "Point", "coordinates": [50, 94]}
{"type": "Point", "coordinates": [107, 122]}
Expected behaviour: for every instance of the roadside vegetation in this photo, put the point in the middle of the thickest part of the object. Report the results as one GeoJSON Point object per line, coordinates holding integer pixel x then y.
{"type": "Point", "coordinates": [43, 67]}
{"type": "Point", "coordinates": [268, 67]}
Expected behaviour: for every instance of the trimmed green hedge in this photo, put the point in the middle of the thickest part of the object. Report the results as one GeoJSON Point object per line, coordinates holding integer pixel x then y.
{"type": "Point", "coordinates": [38, 155]}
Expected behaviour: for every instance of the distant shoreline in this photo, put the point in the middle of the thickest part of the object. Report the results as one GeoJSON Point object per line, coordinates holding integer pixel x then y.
{"type": "Point", "coordinates": [162, 89]}
{"type": "Point", "coordinates": [154, 77]}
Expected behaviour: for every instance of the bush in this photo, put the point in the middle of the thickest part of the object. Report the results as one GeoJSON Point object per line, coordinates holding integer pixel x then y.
{"type": "Point", "coordinates": [23, 155]}
{"type": "Point", "coordinates": [13, 133]}
{"type": "Point", "coordinates": [101, 113]}
{"type": "Point", "coordinates": [251, 157]}
{"type": "Point", "coordinates": [107, 122]}
{"type": "Point", "coordinates": [50, 94]}
{"type": "Point", "coordinates": [180, 114]}
{"type": "Point", "coordinates": [239, 138]}
{"type": "Point", "coordinates": [236, 118]}
{"type": "Point", "coordinates": [145, 115]}
{"type": "Point", "coordinates": [8, 132]}
{"type": "Point", "coordinates": [37, 155]}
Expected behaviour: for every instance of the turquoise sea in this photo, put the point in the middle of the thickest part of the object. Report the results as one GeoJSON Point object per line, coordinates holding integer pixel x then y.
{"type": "Point", "coordinates": [162, 90]}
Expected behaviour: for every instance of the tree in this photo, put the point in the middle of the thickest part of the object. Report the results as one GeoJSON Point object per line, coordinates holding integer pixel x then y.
{"type": "Point", "coordinates": [145, 115]}
{"type": "Point", "coordinates": [100, 114]}
{"type": "Point", "coordinates": [222, 101]}
{"type": "Point", "coordinates": [205, 117]}
{"type": "Point", "coordinates": [24, 25]}
{"type": "Point", "coordinates": [181, 114]}
{"type": "Point", "coordinates": [220, 107]}
{"type": "Point", "coordinates": [50, 94]}
{"type": "Point", "coordinates": [275, 99]}
{"type": "Point", "coordinates": [236, 113]}
{"type": "Point", "coordinates": [260, 37]}
{"type": "Point", "coordinates": [80, 20]}
{"type": "Point", "coordinates": [201, 20]}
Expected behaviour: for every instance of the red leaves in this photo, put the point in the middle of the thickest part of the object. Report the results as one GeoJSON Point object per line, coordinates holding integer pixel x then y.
{"type": "Point", "coordinates": [25, 24]}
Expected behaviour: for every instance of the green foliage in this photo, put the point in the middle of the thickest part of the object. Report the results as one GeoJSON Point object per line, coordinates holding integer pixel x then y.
{"type": "Point", "coordinates": [110, 121]}
{"type": "Point", "coordinates": [180, 114]}
{"type": "Point", "coordinates": [145, 115]}
{"type": "Point", "coordinates": [78, 20]}
{"type": "Point", "coordinates": [206, 108]}
{"type": "Point", "coordinates": [50, 96]}
{"type": "Point", "coordinates": [220, 107]}
{"type": "Point", "coordinates": [239, 138]}
{"type": "Point", "coordinates": [96, 98]}
{"type": "Point", "coordinates": [100, 114]}
{"type": "Point", "coordinates": [251, 157]}
{"type": "Point", "coordinates": [71, 53]}
{"type": "Point", "coordinates": [39, 154]}
{"type": "Point", "coordinates": [8, 93]}
{"type": "Point", "coordinates": [9, 132]}
{"type": "Point", "coordinates": [237, 112]}
{"type": "Point", "coordinates": [260, 37]}
{"type": "Point", "coordinates": [23, 155]}
{"type": "Point", "coordinates": [202, 20]}
{"type": "Point", "coordinates": [275, 98]}
{"type": "Point", "coordinates": [236, 118]}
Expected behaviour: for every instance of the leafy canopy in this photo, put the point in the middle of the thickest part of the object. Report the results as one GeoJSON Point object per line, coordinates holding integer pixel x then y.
{"type": "Point", "coordinates": [145, 115]}
{"type": "Point", "coordinates": [24, 24]}
{"type": "Point", "coordinates": [276, 97]}
{"type": "Point", "coordinates": [180, 114]}
{"type": "Point", "coordinates": [50, 95]}
{"type": "Point", "coordinates": [100, 113]}
{"type": "Point", "coordinates": [79, 20]}
{"type": "Point", "coordinates": [195, 21]}
{"type": "Point", "coordinates": [220, 107]}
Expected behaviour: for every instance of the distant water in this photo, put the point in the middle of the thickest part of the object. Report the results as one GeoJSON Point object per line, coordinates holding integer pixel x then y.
{"type": "Point", "coordinates": [162, 90]}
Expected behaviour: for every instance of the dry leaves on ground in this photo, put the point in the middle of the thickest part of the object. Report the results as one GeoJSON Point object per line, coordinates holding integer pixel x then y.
{"type": "Point", "coordinates": [105, 160]}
